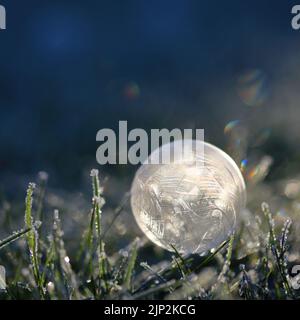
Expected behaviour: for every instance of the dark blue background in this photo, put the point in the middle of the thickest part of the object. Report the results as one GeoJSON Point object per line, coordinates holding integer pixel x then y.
{"type": "Point", "coordinates": [64, 66]}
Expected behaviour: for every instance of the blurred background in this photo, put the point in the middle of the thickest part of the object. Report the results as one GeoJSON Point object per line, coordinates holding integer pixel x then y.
{"type": "Point", "coordinates": [70, 68]}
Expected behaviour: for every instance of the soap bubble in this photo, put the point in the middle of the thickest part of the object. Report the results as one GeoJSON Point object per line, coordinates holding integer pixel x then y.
{"type": "Point", "coordinates": [191, 207]}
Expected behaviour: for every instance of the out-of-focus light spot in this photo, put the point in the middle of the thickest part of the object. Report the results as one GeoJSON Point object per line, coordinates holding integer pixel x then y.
{"type": "Point", "coordinates": [253, 172]}
{"type": "Point", "coordinates": [43, 176]}
{"type": "Point", "coordinates": [292, 189]}
{"type": "Point", "coordinates": [67, 259]}
{"type": "Point", "coordinates": [132, 91]}
{"type": "Point", "coordinates": [243, 166]}
{"type": "Point", "coordinates": [230, 126]}
{"type": "Point", "coordinates": [258, 172]}
{"type": "Point", "coordinates": [252, 87]}
{"type": "Point", "coordinates": [50, 286]}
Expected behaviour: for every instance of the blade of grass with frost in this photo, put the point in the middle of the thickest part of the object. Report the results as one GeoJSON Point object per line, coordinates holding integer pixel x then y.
{"type": "Point", "coordinates": [148, 282]}
{"type": "Point", "coordinates": [32, 238]}
{"type": "Point", "coordinates": [146, 266]}
{"type": "Point", "coordinates": [247, 288]}
{"type": "Point", "coordinates": [179, 267]}
{"type": "Point", "coordinates": [211, 256]}
{"type": "Point", "coordinates": [267, 272]}
{"type": "Point", "coordinates": [86, 251]}
{"type": "Point", "coordinates": [65, 268]}
{"type": "Point", "coordinates": [118, 273]}
{"type": "Point", "coordinates": [28, 216]}
{"type": "Point", "coordinates": [87, 240]}
{"type": "Point", "coordinates": [89, 243]}
{"type": "Point", "coordinates": [15, 236]}
{"type": "Point", "coordinates": [275, 250]}
{"type": "Point", "coordinates": [168, 285]}
{"type": "Point", "coordinates": [222, 276]}
{"type": "Point", "coordinates": [181, 264]}
{"type": "Point", "coordinates": [130, 267]}
{"type": "Point", "coordinates": [50, 255]}
{"type": "Point", "coordinates": [98, 203]}
{"type": "Point", "coordinates": [282, 250]}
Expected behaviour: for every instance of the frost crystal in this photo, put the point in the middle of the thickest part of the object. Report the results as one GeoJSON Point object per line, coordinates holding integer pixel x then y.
{"type": "Point", "coordinates": [94, 172]}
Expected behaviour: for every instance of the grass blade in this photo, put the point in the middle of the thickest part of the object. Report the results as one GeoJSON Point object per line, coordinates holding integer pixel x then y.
{"type": "Point", "coordinates": [130, 267]}
{"type": "Point", "coordinates": [15, 236]}
{"type": "Point", "coordinates": [32, 238]}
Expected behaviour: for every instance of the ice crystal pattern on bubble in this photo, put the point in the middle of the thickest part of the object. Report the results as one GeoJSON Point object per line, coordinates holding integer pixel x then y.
{"type": "Point", "coordinates": [193, 208]}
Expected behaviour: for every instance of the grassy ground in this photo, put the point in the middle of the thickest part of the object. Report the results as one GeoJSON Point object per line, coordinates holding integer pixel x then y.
{"type": "Point", "coordinates": [255, 263]}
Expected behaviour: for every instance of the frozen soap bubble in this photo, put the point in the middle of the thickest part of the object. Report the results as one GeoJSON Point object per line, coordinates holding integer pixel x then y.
{"type": "Point", "coordinates": [193, 203]}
